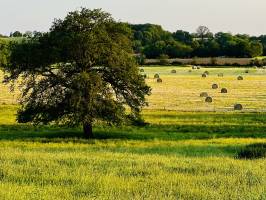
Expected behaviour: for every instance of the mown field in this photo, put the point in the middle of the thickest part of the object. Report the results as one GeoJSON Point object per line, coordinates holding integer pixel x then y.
{"type": "Point", "coordinates": [181, 91]}
{"type": "Point", "coordinates": [181, 154]}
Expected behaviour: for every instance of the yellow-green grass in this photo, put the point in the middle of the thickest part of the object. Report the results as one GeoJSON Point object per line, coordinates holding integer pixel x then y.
{"type": "Point", "coordinates": [178, 155]}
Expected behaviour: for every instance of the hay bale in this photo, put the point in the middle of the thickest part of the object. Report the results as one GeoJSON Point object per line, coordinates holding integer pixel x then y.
{"type": "Point", "coordinates": [141, 70]}
{"type": "Point", "coordinates": [204, 75]}
{"type": "Point", "coordinates": [240, 78]}
{"type": "Point", "coordinates": [238, 106]}
{"type": "Point", "coordinates": [246, 71]}
{"type": "Point", "coordinates": [156, 76]}
{"type": "Point", "coordinates": [208, 100]}
{"type": "Point", "coordinates": [159, 80]}
{"type": "Point", "coordinates": [206, 72]}
{"type": "Point", "coordinates": [173, 71]}
{"type": "Point", "coordinates": [224, 90]}
{"type": "Point", "coordinates": [204, 94]}
{"type": "Point", "coordinates": [144, 75]}
{"type": "Point", "coordinates": [194, 67]}
{"type": "Point", "coordinates": [220, 75]}
{"type": "Point", "coordinates": [214, 86]}
{"type": "Point", "coordinates": [198, 67]}
{"type": "Point", "coordinates": [264, 67]}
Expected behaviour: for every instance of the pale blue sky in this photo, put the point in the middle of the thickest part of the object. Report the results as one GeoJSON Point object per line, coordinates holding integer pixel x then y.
{"type": "Point", "coordinates": [236, 16]}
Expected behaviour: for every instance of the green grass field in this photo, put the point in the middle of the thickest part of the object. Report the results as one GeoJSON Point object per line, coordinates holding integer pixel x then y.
{"type": "Point", "coordinates": [181, 154]}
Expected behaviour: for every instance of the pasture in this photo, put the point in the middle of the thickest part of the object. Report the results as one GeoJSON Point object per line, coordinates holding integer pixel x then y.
{"type": "Point", "coordinates": [187, 151]}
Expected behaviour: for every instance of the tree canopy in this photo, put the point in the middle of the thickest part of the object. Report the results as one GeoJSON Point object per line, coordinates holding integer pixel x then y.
{"type": "Point", "coordinates": [152, 41]}
{"type": "Point", "coordinates": [81, 71]}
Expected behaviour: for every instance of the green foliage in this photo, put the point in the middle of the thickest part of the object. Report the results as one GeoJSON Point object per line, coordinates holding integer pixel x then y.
{"type": "Point", "coordinates": [153, 41]}
{"type": "Point", "coordinates": [16, 34]}
{"type": "Point", "coordinates": [79, 72]}
{"type": "Point", "coordinates": [253, 151]}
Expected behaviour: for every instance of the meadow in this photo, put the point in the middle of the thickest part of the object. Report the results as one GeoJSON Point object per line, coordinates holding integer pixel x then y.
{"type": "Point", "coordinates": [187, 150]}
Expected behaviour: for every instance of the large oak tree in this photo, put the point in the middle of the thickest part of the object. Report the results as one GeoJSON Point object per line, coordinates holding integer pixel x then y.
{"type": "Point", "coordinates": [81, 71]}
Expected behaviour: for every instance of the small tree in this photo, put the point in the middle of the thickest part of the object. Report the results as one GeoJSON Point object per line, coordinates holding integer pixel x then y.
{"type": "Point", "coordinates": [81, 71]}
{"type": "Point", "coordinates": [203, 31]}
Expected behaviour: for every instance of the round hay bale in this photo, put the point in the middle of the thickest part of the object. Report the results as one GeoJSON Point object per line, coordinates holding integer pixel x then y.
{"type": "Point", "coordinates": [198, 67]}
{"type": "Point", "coordinates": [156, 76]}
{"type": "Point", "coordinates": [240, 78]}
{"type": "Point", "coordinates": [214, 86]}
{"type": "Point", "coordinates": [159, 80]}
{"type": "Point", "coordinates": [141, 70]}
{"type": "Point", "coordinates": [238, 106]}
{"type": "Point", "coordinates": [220, 75]}
{"type": "Point", "coordinates": [224, 90]}
{"type": "Point", "coordinates": [208, 100]}
{"type": "Point", "coordinates": [206, 72]}
{"type": "Point", "coordinates": [173, 71]}
{"type": "Point", "coordinates": [144, 75]}
{"type": "Point", "coordinates": [194, 67]}
{"type": "Point", "coordinates": [204, 94]}
{"type": "Point", "coordinates": [246, 71]}
{"type": "Point", "coordinates": [264, 67]}
{"type": "Point", "coordinates": [204, 75]}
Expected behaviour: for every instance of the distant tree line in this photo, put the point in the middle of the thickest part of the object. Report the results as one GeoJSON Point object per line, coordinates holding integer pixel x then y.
{"type": "Point", "coordinates": [154, 42]}
{"type": "Point", "coordinates": [151, 41]}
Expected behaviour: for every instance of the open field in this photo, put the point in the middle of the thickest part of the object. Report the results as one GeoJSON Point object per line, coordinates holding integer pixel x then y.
{"type": "Point", "coordinates": [181, 91]}
{"type": "Point", "coordinates": [181, 154]}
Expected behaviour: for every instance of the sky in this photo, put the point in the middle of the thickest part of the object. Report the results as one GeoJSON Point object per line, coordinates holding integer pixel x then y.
{"type": "Point", "coordinates": [235, 16]}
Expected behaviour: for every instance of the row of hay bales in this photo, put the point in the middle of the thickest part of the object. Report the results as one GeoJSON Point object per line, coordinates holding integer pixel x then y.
{"type": "Point", "coordinates": [206, 73]}
{"type": "Point", "coordinates": [209, 99]}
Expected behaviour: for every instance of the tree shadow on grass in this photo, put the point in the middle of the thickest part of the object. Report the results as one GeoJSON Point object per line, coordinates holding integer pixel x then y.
{"type": "Point", "coordinates": [150, 132]}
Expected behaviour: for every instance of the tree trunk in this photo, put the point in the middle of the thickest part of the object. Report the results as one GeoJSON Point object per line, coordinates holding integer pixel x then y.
{"type": "Point", "coordinates": [87, 129]}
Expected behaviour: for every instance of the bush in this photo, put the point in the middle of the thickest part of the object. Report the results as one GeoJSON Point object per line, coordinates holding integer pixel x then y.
{"type": "Point", "coordinates": [252, 151]}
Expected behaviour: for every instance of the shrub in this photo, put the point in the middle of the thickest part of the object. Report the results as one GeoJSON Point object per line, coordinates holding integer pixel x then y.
{"type": "Point", "coordinates": [252, 151]}
{"type": "Point", "coordinates": [141, 70]}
